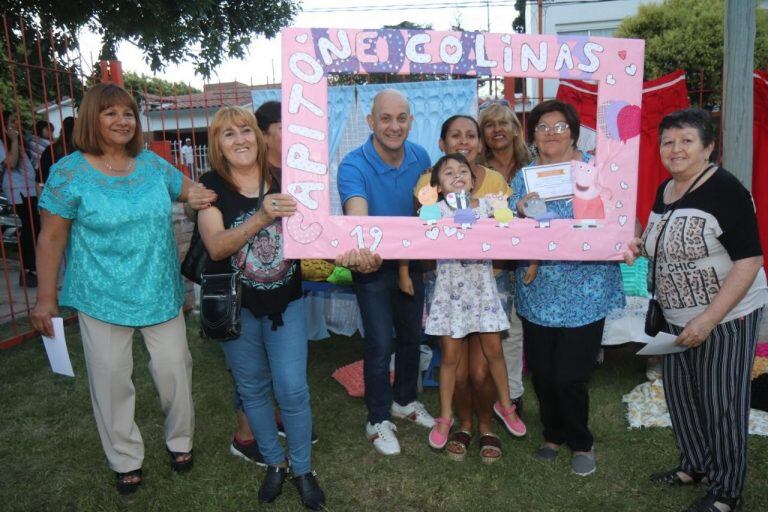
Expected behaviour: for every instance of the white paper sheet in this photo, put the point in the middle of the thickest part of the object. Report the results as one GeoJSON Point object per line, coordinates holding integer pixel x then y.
{"type": "Point", "coordinates": [56, 348]}
{"type": "Point", "coordinates": [662, 343]}
{"type": "Point", "coordinates": [550, 181]}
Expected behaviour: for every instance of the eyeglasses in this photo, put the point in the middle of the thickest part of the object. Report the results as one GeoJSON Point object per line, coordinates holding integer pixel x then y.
{"type": "Point", "coordinates": [487, 103]}
{"type": "Point", "coordinates": [546, 129]}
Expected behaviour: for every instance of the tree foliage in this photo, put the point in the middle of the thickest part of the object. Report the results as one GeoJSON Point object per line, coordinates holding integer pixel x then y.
{"type": "Point", "coordinates": [200, 31]}
{"type": "Point", "coordinates": [142, 83]}
{"type": "Point", "coordinates": [518, 25]}
{"type": "Point", "coordinates": [689, 35]}
{"type": "Point", "coordinates": [38, 68]}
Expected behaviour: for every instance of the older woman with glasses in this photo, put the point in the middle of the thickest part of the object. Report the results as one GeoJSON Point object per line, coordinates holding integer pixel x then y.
{"type": "Point", "coordinates": [564, 308]}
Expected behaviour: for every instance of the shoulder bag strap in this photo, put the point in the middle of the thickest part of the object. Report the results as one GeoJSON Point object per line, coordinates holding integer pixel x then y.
{"type": "Point", "coordinates": [261, 204]}
{"type": "Point", "coordinates": [671, 210]}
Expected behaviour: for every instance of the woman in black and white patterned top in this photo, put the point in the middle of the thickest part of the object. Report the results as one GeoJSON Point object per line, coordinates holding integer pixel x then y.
{"type": "Point", "coordinates": [712, 289]}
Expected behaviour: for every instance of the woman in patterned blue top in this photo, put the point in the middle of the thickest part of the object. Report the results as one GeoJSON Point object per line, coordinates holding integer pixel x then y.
{"type": "Point", "coordinates": [564, 308]}
{"type": "Point", "coordinates": [109, 204]}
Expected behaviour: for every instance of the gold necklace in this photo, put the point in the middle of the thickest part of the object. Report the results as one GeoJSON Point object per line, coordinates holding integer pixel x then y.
{"type": "Point", "coordinates": [119, 171]}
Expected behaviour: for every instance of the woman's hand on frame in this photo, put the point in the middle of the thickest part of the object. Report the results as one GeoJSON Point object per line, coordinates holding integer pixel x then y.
{"type": "Point", "coordinates": [634, 250]}
{"type": "Point", "coordinates": [278, 205]}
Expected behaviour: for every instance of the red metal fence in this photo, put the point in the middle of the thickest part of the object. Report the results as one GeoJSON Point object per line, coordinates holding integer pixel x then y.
{"type": "Point", "coordinates": [42, 79]}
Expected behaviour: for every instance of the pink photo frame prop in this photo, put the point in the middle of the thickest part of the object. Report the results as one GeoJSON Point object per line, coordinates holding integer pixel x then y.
{"type": "Point", "coordinates": [309, 55]}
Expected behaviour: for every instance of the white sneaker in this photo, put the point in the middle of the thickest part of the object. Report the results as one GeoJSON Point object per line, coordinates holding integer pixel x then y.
{"type": "Point", "coordinates": [415, 412]}
{"type": "Point", "coordinates": [382, 435]}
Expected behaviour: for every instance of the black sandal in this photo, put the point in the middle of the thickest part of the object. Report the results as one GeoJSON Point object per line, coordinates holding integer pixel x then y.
{"type": "Point", "coordinates": [671, 478]}
{"type": "Point", "coordinates": [180, 466]}
{"type": "Point", "coordinates": [707, 504]}
{"type": "Point", "coordinates": [126, 487]}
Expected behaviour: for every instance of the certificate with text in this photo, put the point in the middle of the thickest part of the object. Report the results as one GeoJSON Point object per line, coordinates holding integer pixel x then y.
{"type": "Point", "coordinates": [550, 181]}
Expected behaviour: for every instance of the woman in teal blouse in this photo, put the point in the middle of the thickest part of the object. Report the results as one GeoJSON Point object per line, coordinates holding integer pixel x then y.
{"type": "Point", "coordinates": [110, 204]}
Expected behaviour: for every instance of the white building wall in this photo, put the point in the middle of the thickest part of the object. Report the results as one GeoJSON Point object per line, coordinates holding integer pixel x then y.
{"type": "Point", "coordinates": [55, 114]}
{"type": "Point", "coordinates": [595, 18]}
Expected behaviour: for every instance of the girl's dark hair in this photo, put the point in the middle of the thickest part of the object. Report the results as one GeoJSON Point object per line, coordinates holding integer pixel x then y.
{"type": "Point", "coordinates": [448, 122]}
{"type": "Point", "coordinates": [268, 114]}
{"type": "Point", "coordinates": [696, 118]}
{"type": "Point", "coordinates": [64, 144]}
{"type": "Point", "coordinates": [434, 179]}
{"type": "Point", "coordinates": [545, 107]}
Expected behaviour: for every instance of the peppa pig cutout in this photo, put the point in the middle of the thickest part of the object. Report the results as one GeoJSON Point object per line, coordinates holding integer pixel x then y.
{"type": "Point", "coordinates": [429, 212]}
{"type": "Point", "coordinates": [463, 216]}
{"type": "Point", "coordinates": [501, 211]}
{"type": "Point", "coordinates": [311, 54]}
{"type": "Point", "coordinates": [589, 194]}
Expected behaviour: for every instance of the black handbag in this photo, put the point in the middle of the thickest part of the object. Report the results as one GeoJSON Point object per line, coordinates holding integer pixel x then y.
{"type": "Point", "coordinates": [196, 258]}
{"type": "Point", "coordinates": [654, 317]}
{"type": "Point", "coordinates": [221, 295]}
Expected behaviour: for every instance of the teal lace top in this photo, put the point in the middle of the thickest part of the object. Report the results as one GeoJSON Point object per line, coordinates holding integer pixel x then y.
{"type": "Point", "coordinates": [122, 263]}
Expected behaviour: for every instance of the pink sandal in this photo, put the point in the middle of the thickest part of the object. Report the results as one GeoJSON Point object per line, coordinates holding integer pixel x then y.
{"type": "Point", "coordinates": [512, 421]}
{"type": "Point", "coordinates": [436, 439]}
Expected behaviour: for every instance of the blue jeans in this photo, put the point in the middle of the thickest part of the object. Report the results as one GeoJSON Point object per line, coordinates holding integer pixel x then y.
{"type": "Point", "coordinates": [262, 360]}
{"type": "Point", "coordinates": [382, 307]}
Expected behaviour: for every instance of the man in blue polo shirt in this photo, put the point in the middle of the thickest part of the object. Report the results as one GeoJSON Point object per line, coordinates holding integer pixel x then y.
{"type": "Point", "coordinates": [378, 179]}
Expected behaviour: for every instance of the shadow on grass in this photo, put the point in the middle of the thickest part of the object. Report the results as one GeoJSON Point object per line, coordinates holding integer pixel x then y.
{"type": "Point", "coordinates": [51, 457]}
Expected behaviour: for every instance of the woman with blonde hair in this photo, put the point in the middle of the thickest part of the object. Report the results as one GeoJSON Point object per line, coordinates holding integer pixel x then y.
{"type": "Point", "coordinates": [506, 152]}
{"type": "Point", "coordinates": [243, 230]}
{"type": "Point", "coordinates": [110, 204]}
{"type": "Point", "coordinates": [502, 136]}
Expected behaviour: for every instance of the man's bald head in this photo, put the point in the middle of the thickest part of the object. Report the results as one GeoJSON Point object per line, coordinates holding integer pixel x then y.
{"type": "Point", "coordinates": [390, 121]}
{"type": "Point", "coordinates": [390, 97]}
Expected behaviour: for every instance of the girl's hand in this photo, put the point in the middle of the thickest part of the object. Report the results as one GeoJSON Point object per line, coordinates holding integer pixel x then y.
{"type": "Point", "coordinates": [634, 249]}
{"type": "Point", "coordinates": [41, 315]}
{"type": "Point", "coordinates": [696, 331]}
{"type": "Point", "coordinates": [278, 205]}
{"type": "Point", "coordinates": [406, 285]}
{"type": "Point", "coordinates": [199, 197]}
{"type": "Point", "coordinates": [521, 202]}
{"type": "Point", "coordinates": [530, 274]}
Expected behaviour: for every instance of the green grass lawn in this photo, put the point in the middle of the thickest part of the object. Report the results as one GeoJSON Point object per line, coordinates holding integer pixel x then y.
{"type": "Point", "coordinates": [51, 459]}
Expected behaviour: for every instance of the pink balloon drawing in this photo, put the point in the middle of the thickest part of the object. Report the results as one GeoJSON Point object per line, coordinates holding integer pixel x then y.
{"type": "Point", "coordinates": [619, 120]}
{"type": "Point", "coordinates": [628, 122]}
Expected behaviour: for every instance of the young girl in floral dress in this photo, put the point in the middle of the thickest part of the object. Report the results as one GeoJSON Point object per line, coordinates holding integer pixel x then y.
{"type": "Point", "coordinates": [466, 301]}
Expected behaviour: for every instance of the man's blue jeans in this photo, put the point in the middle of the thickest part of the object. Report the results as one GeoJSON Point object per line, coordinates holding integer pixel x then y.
{"type": "Point", "coordinates": [262, 360]}
{"type": "Point", "coordinates": [382, 307]}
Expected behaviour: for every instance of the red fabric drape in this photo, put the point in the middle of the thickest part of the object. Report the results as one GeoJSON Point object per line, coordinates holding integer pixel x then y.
{"type": "Point", "coordinates": [760, 158]}
{"type": "Point", "coordinates": [660, 97]}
